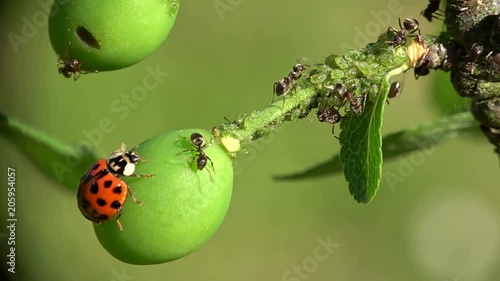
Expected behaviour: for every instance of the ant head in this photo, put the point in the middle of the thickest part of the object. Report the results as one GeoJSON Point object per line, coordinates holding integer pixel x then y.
{"type": "Point", "coordinates": [410, 24]}
{"type": "Point", "coordinates": [341, 89]}
{"type": "Point", "coordinates": [197, 139]}
{"type": "Point", "coordinates": [299, 67]}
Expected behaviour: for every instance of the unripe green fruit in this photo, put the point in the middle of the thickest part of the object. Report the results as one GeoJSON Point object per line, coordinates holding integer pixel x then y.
{"type": "Point", "coordinates": [182, 206]}
{"type": "Point", "coordinates": [111, 34]}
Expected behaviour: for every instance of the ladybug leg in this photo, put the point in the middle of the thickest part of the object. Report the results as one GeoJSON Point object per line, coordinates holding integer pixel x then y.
{"type": "Point", "coordinates": [133, 199]}
{"type": "Point", "coordinates": [118, 223]}
{"type": "Point", "coordinates": [143, 175]}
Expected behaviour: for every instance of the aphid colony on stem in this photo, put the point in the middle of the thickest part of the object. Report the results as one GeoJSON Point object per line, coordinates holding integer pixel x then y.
{"type": "Point", "coordinates": [339, 94]}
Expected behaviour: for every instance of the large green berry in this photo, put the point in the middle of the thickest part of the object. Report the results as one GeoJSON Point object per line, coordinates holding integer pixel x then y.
{"type": "Point", "coordinates": [182, 205]}
{"type": "Point", "coordinates": [110, 34]}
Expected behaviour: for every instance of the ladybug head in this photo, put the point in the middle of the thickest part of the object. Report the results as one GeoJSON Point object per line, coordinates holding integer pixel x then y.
{"type": "Point", "coordinates": [122, 162]}
{"type": "Point", "coordinates": [133, 157]}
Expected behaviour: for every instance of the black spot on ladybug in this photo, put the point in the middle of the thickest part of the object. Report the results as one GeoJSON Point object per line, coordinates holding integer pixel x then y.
{"type": "Point", "coordinates": [94, 188]}
{"type": "Point", "coordinates": [84, 203]}
{"type": "Point", "coordinates": [102, 173]}
{"type": "Point", "coordinates": [102, 217]}
{"type": "Point", "coordinates": [95, 166]}
{"type": "Point", "coordinates": [107, 184]}
{"type": "Point", "coordinates": [101, 202]}
{"type": "Point", "coordinates": [116, 205]}
{"type": "Point", "coordinates": [117, 190]}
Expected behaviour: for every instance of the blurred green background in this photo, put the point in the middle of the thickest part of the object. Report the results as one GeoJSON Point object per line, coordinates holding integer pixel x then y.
{"type": "Point", "coordinates": [441, 222]}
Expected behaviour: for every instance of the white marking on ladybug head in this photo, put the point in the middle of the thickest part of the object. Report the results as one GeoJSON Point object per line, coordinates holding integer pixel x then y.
{"type": "Point", "coordinates": [129, 169]}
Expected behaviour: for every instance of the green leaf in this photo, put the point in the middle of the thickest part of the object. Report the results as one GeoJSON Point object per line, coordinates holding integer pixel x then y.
{"type": "Point", "coordinates": [361, 148]}
{"type": "Point", "coordinates": [423, 136]}
{"type": "Point", "coordinates": [56, 159]}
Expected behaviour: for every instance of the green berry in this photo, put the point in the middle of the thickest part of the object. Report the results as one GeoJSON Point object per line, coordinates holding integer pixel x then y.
{"type": "Point", "coordinates": [182, 206]}
{"type": "Point", "coordinates": [111, 34]}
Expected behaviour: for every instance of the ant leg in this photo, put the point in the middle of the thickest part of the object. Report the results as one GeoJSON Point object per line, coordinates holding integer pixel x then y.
{"type": "Point", "coordinates": [211, 163]}
{"type": "Point", "coordinates": [192, 161]}
{"type": "Point", "coordinates": [333, 132]}
{"type": "Point", "coordinates": [274, 91]}
{"type": "Point", "coordinates": [400, 25]}
{"type": "Point", "coordinates": [186, 150]}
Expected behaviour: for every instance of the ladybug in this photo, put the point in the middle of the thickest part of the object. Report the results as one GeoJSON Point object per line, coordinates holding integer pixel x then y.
{"type": "Point", "coordinates": [101, 193]}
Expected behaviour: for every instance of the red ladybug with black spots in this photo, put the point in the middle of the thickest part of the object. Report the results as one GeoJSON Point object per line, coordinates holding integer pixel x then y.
{"type": "Point", "coordinates": [101, 193]}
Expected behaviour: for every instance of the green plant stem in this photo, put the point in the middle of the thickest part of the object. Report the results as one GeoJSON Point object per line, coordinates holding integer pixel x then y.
{"type": "Point", "coordinates": [258, 122]}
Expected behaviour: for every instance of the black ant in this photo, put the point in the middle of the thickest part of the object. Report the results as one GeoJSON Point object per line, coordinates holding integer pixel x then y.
{"type": "Point", "coordinates": [283, 86]}
{"type": "Point", "coordinates": [69, 67]}
{"type": "Point", "coordinates": [409, 26]}
{"type": "Point", "coordinates": [197, 140]}
{"type": "Point", "coordinates": [329, 115]}
{"type": "Point", "coordinates": [432, 10]}
{"type": "Point", "coordinates": [356, 106]}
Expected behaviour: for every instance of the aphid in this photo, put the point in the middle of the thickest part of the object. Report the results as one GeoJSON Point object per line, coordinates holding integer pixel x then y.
{"type": "Point", "coordinates": [432, 10]}
{"type": "Point", "coordinates": [329, 115]}
{"type": "Point", "coordinates": [101, 193]}
{"type": "Point", "coordinates": [409, 26]}
{"type": "Point", "coordinates": [417, 51]}
{"type": "Point", "coordinates": [347, 95]}
{"type": "Point", "coordinates": [283, 86]}
{"type": "Point", "coordinates": [196, 139]}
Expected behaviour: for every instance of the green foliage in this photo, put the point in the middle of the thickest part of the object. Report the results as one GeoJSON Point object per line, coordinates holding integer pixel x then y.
{"type": "Point", "coordinates": [103, 38]}
{"type": "Point", "coordinates": [424, 136]}
{"type": "Point", "coordinates": [361, 151]}
{"type": "Point", "coordinates": [61, 162]}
